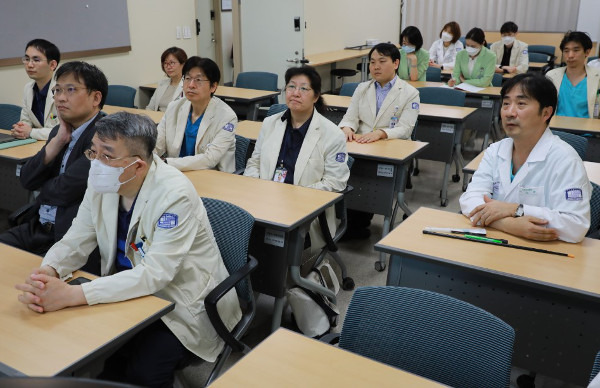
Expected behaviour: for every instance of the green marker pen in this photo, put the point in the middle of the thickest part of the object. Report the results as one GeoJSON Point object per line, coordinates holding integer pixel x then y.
{"type": "Point", "coordinates": [493, 240]}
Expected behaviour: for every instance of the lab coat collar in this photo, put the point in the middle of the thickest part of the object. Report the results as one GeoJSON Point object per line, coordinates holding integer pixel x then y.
{"type": "Point", "coordinates": [310, 141]}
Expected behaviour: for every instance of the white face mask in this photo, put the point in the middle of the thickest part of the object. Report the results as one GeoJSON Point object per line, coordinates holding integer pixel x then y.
{"type": "Point", "coordinates": [508, 40]}
{"type": "Point", "coordinates": [105, 179]}
{"type": "Point", "coordinates": [408, 49]}
{"type": "Point", "coordinates": [472, 51]}
{"type": "Point", "coordinates": [446, 37]}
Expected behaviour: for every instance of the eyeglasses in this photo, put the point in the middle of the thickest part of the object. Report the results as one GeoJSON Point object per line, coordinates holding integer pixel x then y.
{"type": "Point", "coordinates": [293, 88]}
{"type": "Point", "coordinates": [170, 63]}
{"type": "Point", "coordinates": [93, 155]}
{"type": "Point", "coordinates": [197, 80]}
{"type": "Point", "coordinates": [35, 60]}
{"type": "Point", "coordinates": [69, 90]}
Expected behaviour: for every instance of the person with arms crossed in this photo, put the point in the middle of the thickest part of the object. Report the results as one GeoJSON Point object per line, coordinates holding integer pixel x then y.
{"type": "Point", "coordinates": [198, 132]}
{"type": "Point", "coordinates": [442, 53]}
{"type": "Point", "coordinates": [38, 114]}
{"type": "Point", "coordinates": [414, 60]}
{"type": "Point", "coordinates": [60, 170]}
{"type": "Point", "coordinates": [475, 64]}
{"type": "Point", "coordinates": [531, 184]}
{"type": "Point", "coordinates": [577, 83]}
{"type": "Point", "coordinates": [511, 54]}
{"type": "Point", "coordinates": [162, 244]}
{"type": "Point", "coordinates": [170, 89]}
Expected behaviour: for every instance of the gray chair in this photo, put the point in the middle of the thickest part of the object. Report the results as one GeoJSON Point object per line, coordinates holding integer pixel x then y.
{"type": "Point", "coordinates": [579, 143]}
{"type": "Point", "coordinates": [432, 335]}
{"type": "Point", "coordinates": [276, 108]}
{"type": "Point", "coordinates": [121, 95]}
{"type": "Point", "coordinates": [260, 80]}
{"type": "Point", "coordinates": [442, 96]}
{"type": "Point", "coordinates": [342, 73]}
{"type": "Point", "coordinates": [595, 367]}
{"type": "Point", "coordinates": [594, 231]}
{"type": "Point", "coordinates": [241, 153]}
{"type": "Point", "coordinates": [348, 88]}
{"type": "Point", "coordinates": [542, 48]}
{"type": "Point", "coordinates": [538, 57]}
{"type": "Point", "coordinates": [433, 74]}
{"type": "Point", "coordinates": [497, 79]}
{"type": "Point", "coordinates": [9, 114]}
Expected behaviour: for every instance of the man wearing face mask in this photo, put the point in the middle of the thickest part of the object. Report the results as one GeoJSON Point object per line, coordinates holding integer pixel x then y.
{"type": "Point", "coordinates": [162, 244]}
{"type": "Point", "coordinates": [60, 170]}
{"type": "Point", "coordinates": [511, 54]}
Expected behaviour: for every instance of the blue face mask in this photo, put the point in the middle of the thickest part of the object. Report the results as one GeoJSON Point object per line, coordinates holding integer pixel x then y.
{"type": "Point", "coordinates": [408, 49]}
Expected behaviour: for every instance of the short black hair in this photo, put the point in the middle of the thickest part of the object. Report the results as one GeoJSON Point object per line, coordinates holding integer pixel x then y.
{"type": "Point", "coordinates": [91, 76]}
{"type": "Point", "coordinates": [509, 28]}
{"type": "Point", "coordinates": [314, 79]}
{"type": "Point", "coordinates": [174, 51]}
{"type": "Point", "coordinates": [208, 67]}
{"type": "Point", "coordinates": [387, 50]}
{"type": "Point", "coordinates": [578, 37]}
{"type": "Point", "coordinates": [476, 34]}
{"type": "Point", "coordinates": [138, 131]}
{"type": "Point", "coordinates": [47, 48]}
{"type": "Point", "coordinates": [413, 35]}
{"type": "Point", "coordinates": [535, 86]}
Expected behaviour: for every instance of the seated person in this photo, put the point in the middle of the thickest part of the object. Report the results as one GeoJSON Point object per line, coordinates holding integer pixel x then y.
{"type": "Point", "coordinates": [198, 132]}
{"type": "Point", "coordinates": [511, 54]}
{"type": "Point", "coordinates": [38, 115]}
{"type": "Point", "coordinates": [475, 64]}
{"type": "Point", "coordinates": [442, 53]}
{"type": "Point", "coordinates": [60, 170]}
{"type": "Point", "coordinates": [384, 107]}
{"type": "Point", "coordinates": [155, 208]}
{"type": "Point", "coordinates": [170, 89]}
{"type": "Point", "coordinates": [577, 83]}
{"type": "Point", "coordinates": [531, 184]}
{"type": "Point", "coordinates": [300, 146]}
{"type": "Point", "coordinates": [414, 60]}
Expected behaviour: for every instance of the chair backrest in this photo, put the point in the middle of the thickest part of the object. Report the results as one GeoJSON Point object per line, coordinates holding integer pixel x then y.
{"type": "Point", "coordinates": [442, 96]}
{"type": "Point", "coordinates": [463, 40]}
{"type": "Point", "coordinates": [433, 74]}
{"type": "Point", "coordinates": [121, 95]}
{"type": "Point", "coordinates": [538, 57]}
{"type": "Point", "coordinates": [231, 226]}
{"type": "Point", "coordinates": [594, 210]}
{"type": "Point", "coordinates": [541, 48]}
{"type": "Point", "coordinates": [497, 79]}
{"type": "Point", "coordinates": [241, 151]}
{"type": "Point", "coordinates": [260, 80]}
{"type": "Point", "coordinates": [348, 89]}
{"type": "Point", "coordinates": [429, 334]}
{"type": "Point", "coordinates": [276, 108]}
{"type": "Point", "coordinates": [9, 115]}
{"type": "Point", "coordinates": [596, 367]}
{"type": "Point", "coordinates": [579, 143]}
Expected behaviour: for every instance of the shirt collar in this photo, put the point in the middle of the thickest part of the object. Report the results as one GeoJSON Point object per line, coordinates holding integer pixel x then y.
{"type": "Point", "coordinates": [77, 132]}
{"type": "Point", "coordinates": [387, 86]}
{"type": "Point", "coordinates": [287, 116]}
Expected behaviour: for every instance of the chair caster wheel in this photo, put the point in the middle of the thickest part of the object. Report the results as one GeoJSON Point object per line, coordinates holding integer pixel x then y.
{"type": "Point", "coordinates": [444, 202]}
{"type": "Point", "coordinates": [348, 284]}
{"type": "Point", "coordinates": [379, 266]}
{"type": "Point", "coordinates": [415, 172]}
{"type": "Point", "coordinates": [455, 178]}
{"type": "Point", "coordinates": [404, 216]}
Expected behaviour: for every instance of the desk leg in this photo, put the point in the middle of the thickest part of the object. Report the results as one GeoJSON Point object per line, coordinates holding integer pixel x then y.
{"type": "Point", "coordinates": [253, 111]}
{"type": "Point", "coordinates": [277, 313]}
{"type": "Point", "coordinates": [332, 78]}
{"type": "Point", "coordinates": [364, 69]}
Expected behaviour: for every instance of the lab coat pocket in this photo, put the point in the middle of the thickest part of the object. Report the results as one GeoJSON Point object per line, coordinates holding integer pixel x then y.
{"type": "Point", "coordinates": [533, 196]}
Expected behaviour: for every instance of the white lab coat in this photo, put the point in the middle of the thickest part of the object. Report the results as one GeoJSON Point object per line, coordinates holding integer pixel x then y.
{"type": "Point", "coordinates": [436, 53]}
{"type": "Point", "coordinates": [519, 55]}
{"type": "Point", "coordinates": [595, 383]}
{"type": "Point", "coordinates": [215, 142]}
{"type": "Point", "coordinates": [593, 83]}
{"type": "Point", "coordinates": [39, 131]}
{"type": "Point", "coordinates": [547, 184]}
{"type": "Point", "coordinates": [361, 116]}
{"type": "Point", "coordinates": [321, 163]}
{"type": "Point", "coordinates": [182, 262]}
{"type": "Point", "coordinates": [161, 89]}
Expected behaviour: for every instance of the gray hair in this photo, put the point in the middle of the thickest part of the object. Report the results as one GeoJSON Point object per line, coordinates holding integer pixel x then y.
{"type": "Point", "coordinates": [138, 131]}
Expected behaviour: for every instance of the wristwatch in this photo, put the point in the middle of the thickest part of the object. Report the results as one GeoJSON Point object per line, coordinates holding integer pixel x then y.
{"type": "Point", "coordinates": [519, 212]}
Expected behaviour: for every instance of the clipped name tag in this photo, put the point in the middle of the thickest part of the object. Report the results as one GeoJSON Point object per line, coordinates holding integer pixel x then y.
{"type": "Point", "coordinates": [487, 103]}
{"type": "Point", "coordinates": [275, 237]}
{"type": "Point", "coordinates": [447, 128]}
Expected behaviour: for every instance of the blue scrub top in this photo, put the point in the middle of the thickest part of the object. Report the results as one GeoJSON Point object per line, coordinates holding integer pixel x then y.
{"type": "Point", "coordinates": [189, 138]}
{"type": "Point", "coordinates": [572, 100]}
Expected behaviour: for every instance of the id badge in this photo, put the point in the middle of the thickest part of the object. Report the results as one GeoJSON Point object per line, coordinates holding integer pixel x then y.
{"type": "Point", "coordinates": [280, 173]}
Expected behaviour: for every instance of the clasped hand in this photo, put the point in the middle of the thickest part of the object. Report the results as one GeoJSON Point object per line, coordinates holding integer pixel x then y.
{"type": "Point", "coordinates": [43, 291]}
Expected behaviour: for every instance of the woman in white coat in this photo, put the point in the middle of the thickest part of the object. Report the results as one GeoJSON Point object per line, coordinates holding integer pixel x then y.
{"type": "Point", "coordinates": [171, 62]}
{"type": "Point", "coordinates": [198, 132]}
{"type": "Point", "coordinates": [442, 53]}
{"type": "Point", "coordinates": [300, 146]}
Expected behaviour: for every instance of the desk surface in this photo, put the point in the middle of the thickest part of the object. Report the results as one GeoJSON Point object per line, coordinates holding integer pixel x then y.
{"type": "Point", "coordinates": [288, 359]}
{"type": "Point", "coordinates": [575, 124]}
{"type": "Point", "coordinates": [248, 129]}
{"type": "Point", "coordinates": [392, 150]}
{"type": "Point", "coordinates": [493, 91]}
{"type": "Point", "coordinates": [156, 116]}
{"type": "Point", "coordinates": [22, 152]}
{"type": "Point", "coordinates": [57, 342]}
{"type": "Point", "coordinates": [335, 56]}
{"type": "Point", "coordinates": [579, 274]}
{"type": "Point", "coordinates": [272, 203]}
{"type": "Point", "coordinates": [537, 65]}
{"type": "Point", "coordinates": [243, 94]}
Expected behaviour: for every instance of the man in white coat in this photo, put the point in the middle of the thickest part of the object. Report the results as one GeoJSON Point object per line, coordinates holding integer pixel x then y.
{"type": "Point", "coordinates": [512, 55]}
{"type": "Point", "coordinates": [532, 184]}
{"type": "Point", "coordinates": [154, 238]}
{"type": "Point", "coordinates": [38, 115]}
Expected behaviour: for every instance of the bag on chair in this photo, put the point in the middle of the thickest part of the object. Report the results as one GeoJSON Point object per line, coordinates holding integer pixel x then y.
{"type": "Point", "coordinates": [314, 313]}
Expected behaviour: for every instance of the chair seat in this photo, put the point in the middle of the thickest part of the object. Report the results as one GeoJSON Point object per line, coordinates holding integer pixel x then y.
{"type": "Point", "coordinates": [343, 72]}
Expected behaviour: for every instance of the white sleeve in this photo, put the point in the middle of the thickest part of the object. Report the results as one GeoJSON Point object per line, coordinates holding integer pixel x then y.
{"type": "Point", "coordinates": [481, 183]}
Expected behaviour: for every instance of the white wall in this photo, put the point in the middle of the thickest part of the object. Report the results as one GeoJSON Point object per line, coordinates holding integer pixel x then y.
{"type": "Point", "coordinates": [227, 45]}
{"type": "Point", "coordinates": [152, 27]}
{"type": "Point", "coordinates": [588, 19]}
